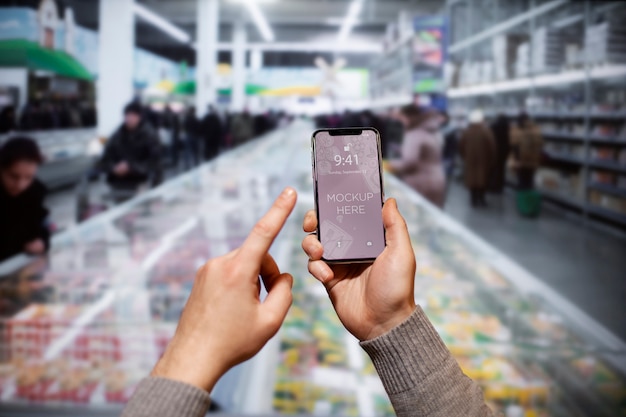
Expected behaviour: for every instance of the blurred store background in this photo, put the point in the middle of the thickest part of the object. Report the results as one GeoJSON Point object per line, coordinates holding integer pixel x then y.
{"type": "Point", "coordinates": [521, 265]}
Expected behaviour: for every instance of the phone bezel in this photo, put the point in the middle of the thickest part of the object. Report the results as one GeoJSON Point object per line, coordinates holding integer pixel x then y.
{"type": "Point", "coordinates": [347, 131]}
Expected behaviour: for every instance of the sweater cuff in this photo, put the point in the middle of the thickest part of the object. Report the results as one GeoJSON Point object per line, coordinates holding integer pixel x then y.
{"type": "Point", "coordinates": [166, 397]}
{"type": "Point", "coordinates": [408, 353]}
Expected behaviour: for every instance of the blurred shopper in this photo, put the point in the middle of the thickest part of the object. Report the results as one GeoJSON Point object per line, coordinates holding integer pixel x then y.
{"type": "Point", "coordinates": [500, 129]}
{"type": "Point", "coordinates": [527, 146]}
{"type": "Point", "coordinates": [224, 323]}
{"type": "Point", "coordinates": [22, 212]}
{"type": "Point", "coordinates": [262, 124]}
{"type": "Point", "coordinates": [7, 120]}
{"type": "Point", "coordinates": [477, 148]}
{"type": "Point", "coordinates": [211, 133]}
{"type": "Point", "coordinates": [170, 125]}
{"type": "Point", "coordinates": [451, 136]}
{"type": "Point", "coordinates": [420, 164]}
{"type": "Point", "coordinates": [132, 155]}
{"type": "Point", "coordinates": [350, 119]}
{"type": "Point", "coordinates": [241, 128]}
{"type": "Point", "coordinates": [191, 127]}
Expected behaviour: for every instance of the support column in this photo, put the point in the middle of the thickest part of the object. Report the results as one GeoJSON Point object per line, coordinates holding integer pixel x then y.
{"type": "Point", "coordinates": [207, 31]}
{"type": "Point", "coordinates": [115, 62]}
{"type": "Point", "coordinates": [256, 59]}
{"type": "Point", "coordinates": [238, 97]}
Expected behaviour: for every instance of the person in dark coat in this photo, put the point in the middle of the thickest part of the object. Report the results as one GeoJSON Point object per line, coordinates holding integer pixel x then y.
{"type": "Point", "coordinates": [22, 212]}
{"type": "Point", "coordinates": [527, 147]}
{"type": "Point", "coordinates": [500, 129]}
{"type": "Point", "coordinates": [7, 119]}
{"type": "Point", "coordinates": [211, 133]}
{"type": "Point", "coordinates": [191, 127]}
{"type": "Point", "coordinates": [132, 155]}
{"type": "Point", "coordinates": [477, 148]}
{"type": "Point", "coordinates": [241, 128]}
{"type": "Point", "coordinates": [451, 134]}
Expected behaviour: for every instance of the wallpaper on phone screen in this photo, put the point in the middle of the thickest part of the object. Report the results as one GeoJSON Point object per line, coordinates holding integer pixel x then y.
{"type": "Point", "coordinates": [349, 196]}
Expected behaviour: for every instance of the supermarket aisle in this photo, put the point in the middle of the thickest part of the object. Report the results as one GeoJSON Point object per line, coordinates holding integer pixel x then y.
{"type": "Point", "coordinates": [585, 265]}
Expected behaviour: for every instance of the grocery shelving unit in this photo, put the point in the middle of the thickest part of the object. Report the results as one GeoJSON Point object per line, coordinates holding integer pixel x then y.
{"type": "Point", "coordinates": [391, 76]}
{"type": "Point", "coordinates": [574, 88]}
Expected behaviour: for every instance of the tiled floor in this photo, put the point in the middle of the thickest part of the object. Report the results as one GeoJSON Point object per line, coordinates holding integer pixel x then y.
{"type": "Point", "coordinates": [584, 264]}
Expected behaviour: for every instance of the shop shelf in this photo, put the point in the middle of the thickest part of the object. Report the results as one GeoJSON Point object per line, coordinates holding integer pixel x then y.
{"type": "Point", "coordinates": [607, 214]}
{"type": "Point", "coordinates": [557, 115]}
{"type": "Point", "coordinates": [562, 136]}
{"type": "Point", "coordinates": [561, 198]}
{"type": "Point", "coordinates": [566, 158]}
{"type": "Point", "coordinates": [608, 165]}
{"type": "Point", "coordinates": [616, 116]}
{"type": "Point", "coordinates": [608, 189]}
{"type": "Point", "coordinates": [607, 140]}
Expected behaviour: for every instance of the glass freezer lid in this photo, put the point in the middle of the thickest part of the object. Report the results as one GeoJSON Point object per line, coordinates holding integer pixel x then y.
{"type": "Point", "coordinates": [84, 326]}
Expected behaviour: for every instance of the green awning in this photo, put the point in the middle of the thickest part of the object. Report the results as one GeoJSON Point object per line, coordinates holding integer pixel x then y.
{"type": "Point", "coordinates": [185, 87]}
{"type": "Point", "coordinates": [27, 54]}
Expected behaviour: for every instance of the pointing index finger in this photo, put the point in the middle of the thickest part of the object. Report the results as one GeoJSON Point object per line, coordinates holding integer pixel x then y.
{"type": "Point", "coordinates": [258, 242]}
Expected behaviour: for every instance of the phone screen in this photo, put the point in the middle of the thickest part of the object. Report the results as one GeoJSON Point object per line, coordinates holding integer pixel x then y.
{"type": "Point", "coordinates": [348, 193]}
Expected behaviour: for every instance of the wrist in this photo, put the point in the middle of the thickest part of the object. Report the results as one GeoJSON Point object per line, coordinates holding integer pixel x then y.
{"type": "Point", "coordinates": [190, 366]}
{"type": "Point", "coordinates": [399, 316]}
{"type": "Point", "coordinates": [408, 354]}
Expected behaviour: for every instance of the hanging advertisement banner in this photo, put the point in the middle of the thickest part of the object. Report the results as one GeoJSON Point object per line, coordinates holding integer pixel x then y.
{"type": "Point", "coordinates": [429, 47]}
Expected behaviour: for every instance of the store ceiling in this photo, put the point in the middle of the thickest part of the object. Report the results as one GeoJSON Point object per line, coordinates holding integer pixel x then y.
{"type": "Point", "coordinates": [291, 20]}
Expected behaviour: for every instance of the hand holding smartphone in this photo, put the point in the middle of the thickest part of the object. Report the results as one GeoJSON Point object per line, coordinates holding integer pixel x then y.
{"type": "Point", "coordinates": [349, 194]}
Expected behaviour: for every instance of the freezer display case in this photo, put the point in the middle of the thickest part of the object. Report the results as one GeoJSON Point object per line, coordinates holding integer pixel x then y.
{"type": "Point", "coordinates": [81, 327]}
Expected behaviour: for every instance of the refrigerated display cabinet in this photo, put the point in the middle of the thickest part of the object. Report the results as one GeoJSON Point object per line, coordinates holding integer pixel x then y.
{"type": "Point", "coordinates": [80, 327]}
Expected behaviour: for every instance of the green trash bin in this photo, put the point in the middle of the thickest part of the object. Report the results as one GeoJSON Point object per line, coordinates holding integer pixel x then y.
{"type": "Point", "coordinates": [528, 203]}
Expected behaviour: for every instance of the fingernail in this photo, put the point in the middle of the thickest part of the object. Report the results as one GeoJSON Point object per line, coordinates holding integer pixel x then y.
{"type": "Point", "coordinates": [288, 192]}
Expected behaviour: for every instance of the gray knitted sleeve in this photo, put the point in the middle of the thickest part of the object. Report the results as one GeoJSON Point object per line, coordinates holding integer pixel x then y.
{"type": "Point", "coordinates": [161, 397]}
{"type": "Point", "coordinates": [419, 373]}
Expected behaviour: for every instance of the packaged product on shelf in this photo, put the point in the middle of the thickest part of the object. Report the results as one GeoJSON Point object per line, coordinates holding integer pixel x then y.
{"type": "Point", "coordinates": [29, 333]}
{"type": "Point", "coordinates": [596, 374]}
{"type": "Point", "coordinates": [303, 397]}
{"type": "Point", "coordinates": [119, 383]}
{"type": "Point", "coordinates": [547, 50]}
{"type": "Point", "coordinates": [605, 130]}
{"type": "Point", "coordinates": [605, 42]}
{"type": "Point", "coordinates": [486, 72]}
{"type": "Point", "coordinates": [603, 177]}
{"type": "Point", "coordinates": [76, 383]}
{"type": "Point", "coordinates": [522, 62]}
{"type": "Point", "coordinates": [603, 153]}
{"type": "Point", "coordinates": [33, 380]}
{"type": "Point", "coordinates": [613, 203]}
{"type": "Point", "coordinates": [504, 49]}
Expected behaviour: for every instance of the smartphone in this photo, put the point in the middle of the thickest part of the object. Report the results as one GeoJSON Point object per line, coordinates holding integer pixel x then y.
{"type": "Point", "coordinates": [347, 177]}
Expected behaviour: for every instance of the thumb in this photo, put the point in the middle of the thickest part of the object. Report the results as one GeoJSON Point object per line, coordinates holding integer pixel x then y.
{"type": "Point", "coordinates": [277, 303]}
{"type": "Point", "coordinates": [396, 232]}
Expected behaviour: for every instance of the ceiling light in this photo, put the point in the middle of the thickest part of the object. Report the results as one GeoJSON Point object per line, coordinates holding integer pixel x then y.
{"type": "Point", "coordinates": [260, 21]}
{"type": "Point", "coordinates": [253, 1]}
{"type": "Point", "coordinates": [161, 23]}
{"type": "Point", "coordinates": [350, 20]}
